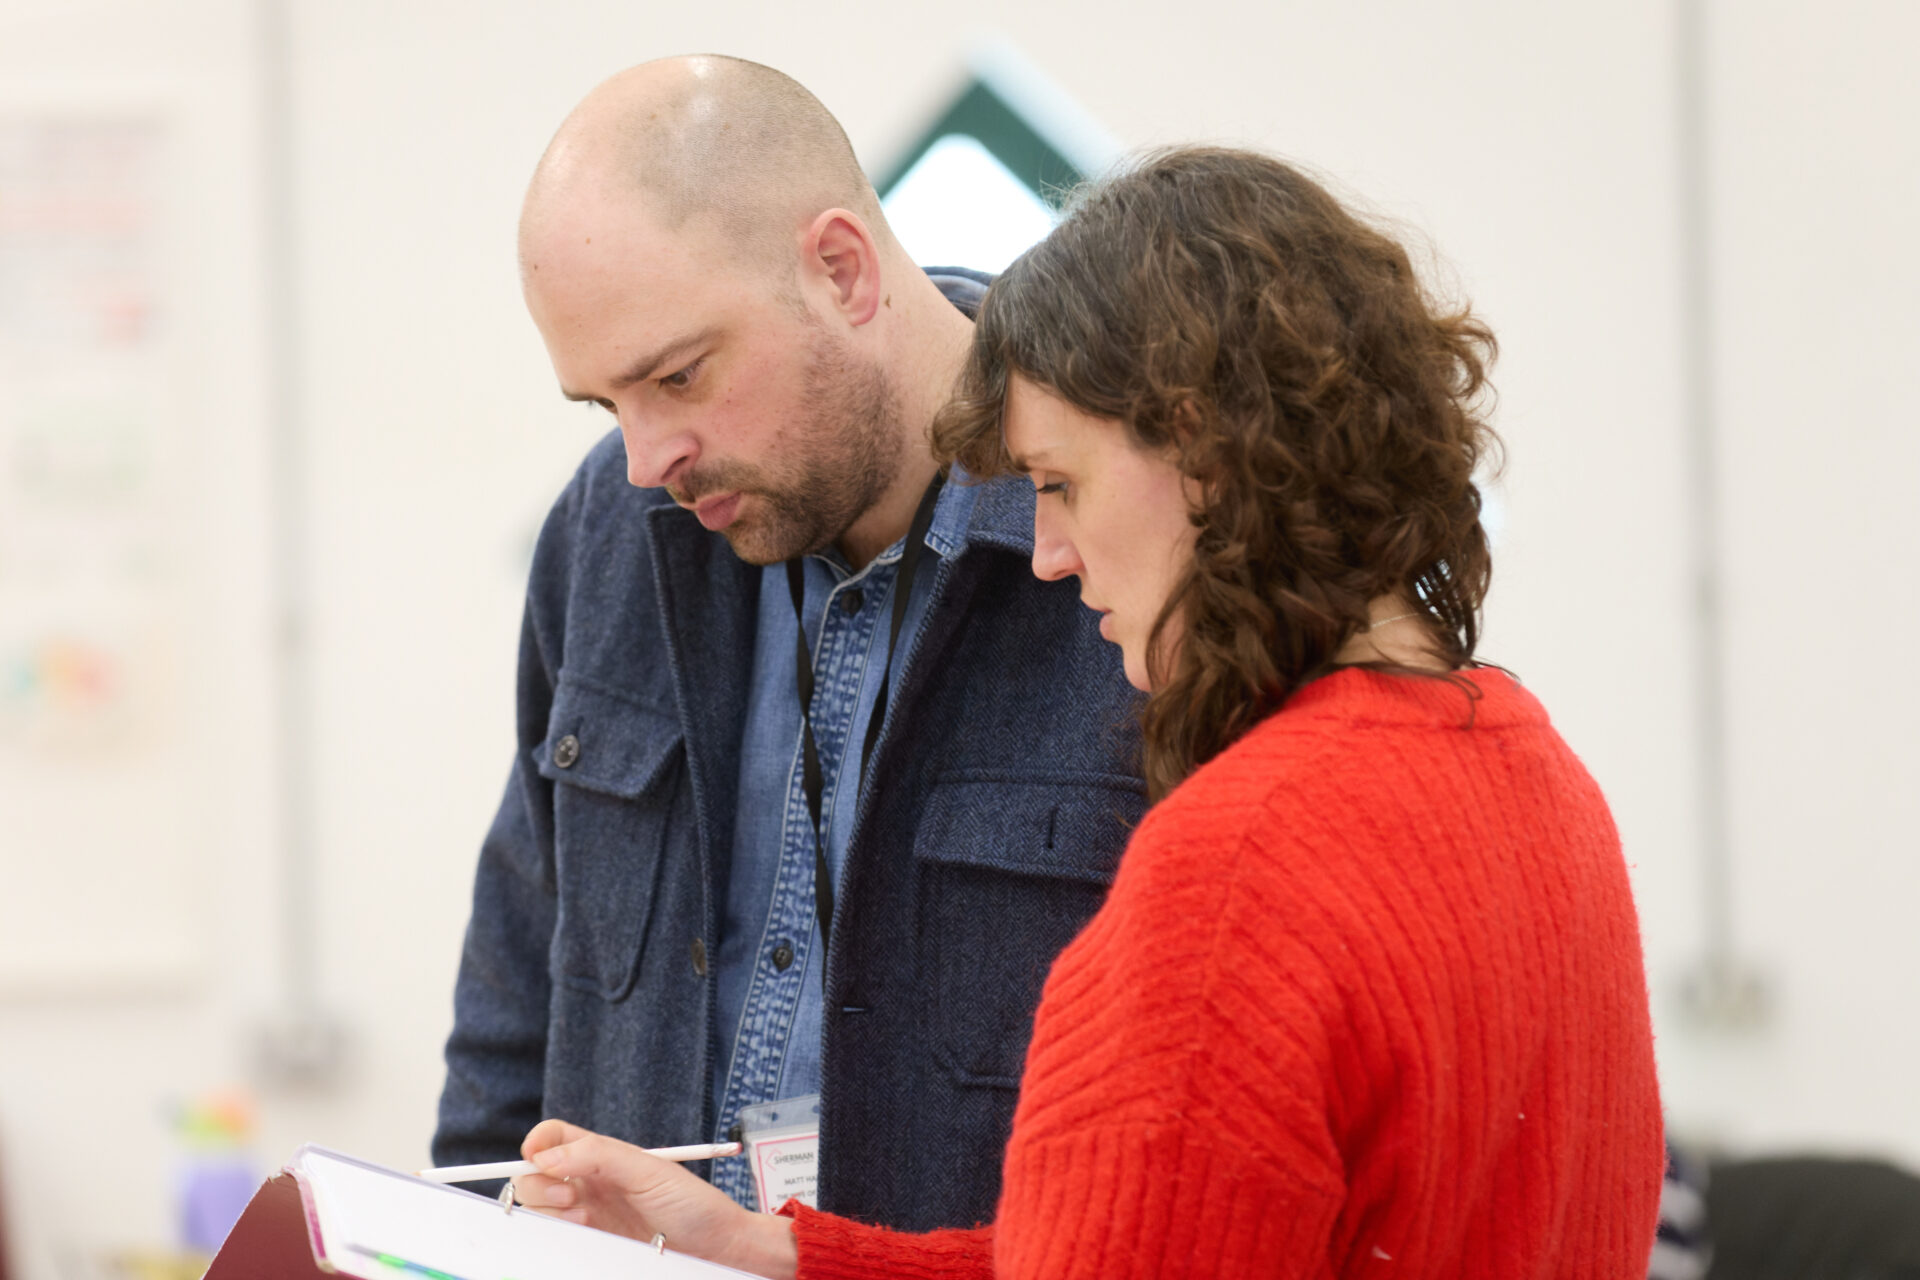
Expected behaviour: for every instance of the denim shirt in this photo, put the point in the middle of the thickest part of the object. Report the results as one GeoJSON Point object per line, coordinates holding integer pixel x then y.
{"type": "Point", "coordinates": [1001, 790]}
{"type": "Point", "coordinates": [768, 969]}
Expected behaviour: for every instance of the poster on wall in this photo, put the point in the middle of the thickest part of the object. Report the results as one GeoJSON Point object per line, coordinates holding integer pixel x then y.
{"type": "Point", "coordinates": [91, 786]}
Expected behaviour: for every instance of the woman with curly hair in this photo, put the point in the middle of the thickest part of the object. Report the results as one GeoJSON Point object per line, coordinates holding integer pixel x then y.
{"type": "Point", "coordinates": [1367, 994]}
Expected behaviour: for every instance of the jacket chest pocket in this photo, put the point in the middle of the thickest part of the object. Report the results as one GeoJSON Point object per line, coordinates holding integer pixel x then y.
{"type": "Point", "coordinates": [619, 773]}
{"type": "Point", "coordinates": [1009, 872]}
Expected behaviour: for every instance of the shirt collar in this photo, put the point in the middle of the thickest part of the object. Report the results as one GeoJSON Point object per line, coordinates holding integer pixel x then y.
{"type": "Point", "coordinates": [946, 533]}
{"type": "Point", "coordinates": [952, 510]}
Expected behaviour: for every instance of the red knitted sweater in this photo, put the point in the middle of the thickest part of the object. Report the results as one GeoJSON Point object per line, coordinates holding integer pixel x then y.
{"type": "Point", "coordinates": [1366, 999]}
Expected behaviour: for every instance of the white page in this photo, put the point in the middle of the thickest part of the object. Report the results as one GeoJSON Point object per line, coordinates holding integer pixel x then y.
{"type": "Point", "coordinates": [361, 1211]}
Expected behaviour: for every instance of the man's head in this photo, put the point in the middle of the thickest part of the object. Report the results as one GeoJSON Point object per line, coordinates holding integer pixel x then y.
{"type": "Point", "coordinates": [704, 259]}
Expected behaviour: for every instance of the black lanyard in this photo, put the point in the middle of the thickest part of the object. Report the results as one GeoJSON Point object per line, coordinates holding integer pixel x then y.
{"type": "Point", "coordinates": [810, 777]}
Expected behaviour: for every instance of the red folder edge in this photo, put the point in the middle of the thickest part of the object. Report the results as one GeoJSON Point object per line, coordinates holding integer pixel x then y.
{"type": "Point", "coordinates": [276, 1238]}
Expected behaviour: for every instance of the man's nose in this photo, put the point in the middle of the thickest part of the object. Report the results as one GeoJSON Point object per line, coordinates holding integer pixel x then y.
{"type": "Point", "coordinates": [655, 457]}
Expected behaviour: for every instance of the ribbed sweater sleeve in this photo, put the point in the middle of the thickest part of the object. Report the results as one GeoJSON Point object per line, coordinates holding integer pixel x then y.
{"type": "Point", "coordinates": [834, 1248]}
{"type": "Point", "coordinates": [1147, 1143]}
{"type": "Point", "coordinates": [1174, 1115]}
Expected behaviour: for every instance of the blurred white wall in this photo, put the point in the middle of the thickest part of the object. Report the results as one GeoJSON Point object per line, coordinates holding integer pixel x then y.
{"type": "Point", "coordinates": [1534, 145]}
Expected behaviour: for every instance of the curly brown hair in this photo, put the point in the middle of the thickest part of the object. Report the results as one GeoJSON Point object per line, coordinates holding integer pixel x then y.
{"type": "Point", "coordinates": [1225, 308]}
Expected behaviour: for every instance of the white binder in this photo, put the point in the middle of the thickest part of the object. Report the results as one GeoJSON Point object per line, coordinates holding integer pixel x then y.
{"type": "Point", "coordinates": [329, 1214]}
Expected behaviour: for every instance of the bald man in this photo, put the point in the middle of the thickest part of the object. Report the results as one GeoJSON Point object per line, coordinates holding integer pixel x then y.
{"type": "Point", "coordinates": [695, 898]}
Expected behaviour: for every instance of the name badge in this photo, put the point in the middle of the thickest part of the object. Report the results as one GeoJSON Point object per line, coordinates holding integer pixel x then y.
{"type": "Point", "coordinates": [783, 1148]}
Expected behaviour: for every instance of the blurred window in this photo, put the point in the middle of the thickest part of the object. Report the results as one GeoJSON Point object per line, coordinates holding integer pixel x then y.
{"type": "Point", "coordinates": [960, 206]}
{"type": "Point", "coordinates": [982, 182]}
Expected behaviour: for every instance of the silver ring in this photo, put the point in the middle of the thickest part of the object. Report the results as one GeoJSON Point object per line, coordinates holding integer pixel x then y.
{"type": "Point", "coordinates": [659, 1242]}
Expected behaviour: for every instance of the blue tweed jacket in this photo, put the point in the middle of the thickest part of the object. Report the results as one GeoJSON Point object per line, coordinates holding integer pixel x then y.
{"type": "Point", "coordinates": [999, 797]}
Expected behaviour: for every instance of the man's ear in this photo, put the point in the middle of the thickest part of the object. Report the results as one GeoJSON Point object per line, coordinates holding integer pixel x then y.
{"type": "Point", "coordinates": [837, 253]}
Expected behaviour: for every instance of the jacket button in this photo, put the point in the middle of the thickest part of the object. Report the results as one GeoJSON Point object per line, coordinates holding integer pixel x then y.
{"type": "Point", "coordinates": [782, 957]}
{"type": "Point", "coordinates": [699, 952]}
{"type": "Point", "coordinates": [850, 601]}
{"type": "Point", "coordinates": [565, 752]}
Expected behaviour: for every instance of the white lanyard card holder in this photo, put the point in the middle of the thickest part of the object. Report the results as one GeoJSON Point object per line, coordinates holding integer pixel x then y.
{"type": "Point", "coordinates": [783, 1146]}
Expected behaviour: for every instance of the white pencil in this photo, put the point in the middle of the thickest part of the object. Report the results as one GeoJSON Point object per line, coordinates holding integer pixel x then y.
{"type": "Point", "coordinates": [514, 1168]}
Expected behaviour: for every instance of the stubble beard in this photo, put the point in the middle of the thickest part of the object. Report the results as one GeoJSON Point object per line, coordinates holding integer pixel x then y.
{"type": "Point", "coordinates": [842, 455]}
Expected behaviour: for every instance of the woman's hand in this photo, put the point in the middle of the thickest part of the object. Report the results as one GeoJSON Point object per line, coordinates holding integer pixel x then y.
{"type": "Point", "coordinates": [617, 1187]}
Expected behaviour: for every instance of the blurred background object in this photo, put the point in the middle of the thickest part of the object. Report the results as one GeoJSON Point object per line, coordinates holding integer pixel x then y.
{"type": "Point", "coordinates": [6, 1266]}
{"type": "Point", "coordinates": [1811, 1218]}
{"type": "Point", "coordinates": [276, 438]}
{"type": "Point", "coordinates": [1682, 1245]}
{"type": "Point", "coordinates": [218, 1173]}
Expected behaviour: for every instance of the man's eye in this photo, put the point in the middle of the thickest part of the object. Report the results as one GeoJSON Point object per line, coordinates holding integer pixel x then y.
{"type": "Point", "coordinates": [681, 379]}
{"type": "Point", "coordinates": [1058, 486]}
